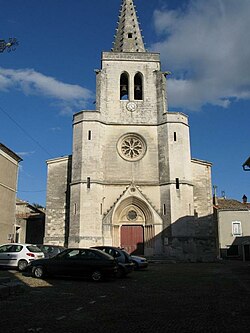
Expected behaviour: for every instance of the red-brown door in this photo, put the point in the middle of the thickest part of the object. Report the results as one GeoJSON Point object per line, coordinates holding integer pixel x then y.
{"type": "Point", "coordinates": [132, 239]}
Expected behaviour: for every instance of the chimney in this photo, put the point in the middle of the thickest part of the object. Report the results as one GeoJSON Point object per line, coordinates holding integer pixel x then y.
{"type": "Point", "coordinates": [244, 199]}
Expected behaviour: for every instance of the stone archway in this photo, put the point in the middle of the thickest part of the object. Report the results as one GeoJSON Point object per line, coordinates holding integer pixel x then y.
{"type": "Point", "coordinates": [133, 225]}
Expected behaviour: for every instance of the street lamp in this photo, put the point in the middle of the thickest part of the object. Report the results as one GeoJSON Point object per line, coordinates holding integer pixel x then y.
{"type": "Point", "coordinates": [246, 165]}
{"type": "Point", "coordinates": [10, 45]}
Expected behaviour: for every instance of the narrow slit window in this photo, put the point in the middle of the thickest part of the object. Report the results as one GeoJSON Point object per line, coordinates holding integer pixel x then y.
{"type": "Point", "coordinates": [88, 182]}
{"type": "Point", "coordinates": [89, 135]}
{"type": "Point", "coordinates": [75, 208]}
{"type": "Point", "coordinates": [164, 209]}
{"type": "Point", "coordinates": [177, 183]}
{"type": "Point", "coordinates": [175, 136]}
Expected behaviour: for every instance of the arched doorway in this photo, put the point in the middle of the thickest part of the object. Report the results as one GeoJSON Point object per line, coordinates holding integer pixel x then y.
{"type": "Point", "coordinates": [132, 220]}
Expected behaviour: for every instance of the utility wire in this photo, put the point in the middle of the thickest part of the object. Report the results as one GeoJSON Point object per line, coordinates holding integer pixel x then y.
{"type": "Point", "coordinates": [26, 133]}
{"type": "Point", "coordinates": [32, 191]}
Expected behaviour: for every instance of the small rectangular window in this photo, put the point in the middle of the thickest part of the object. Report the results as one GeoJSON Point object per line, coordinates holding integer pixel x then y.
{"type": "Point", "coordinates": [177, 183]}
{"type": "Point", "coordinates": [236, 228]}
{"type": "Point", "coordinates": [175, 136]}
{"type": "Point", "coordinates": [130, 35]}
{"type": "Point", "coordinates": [88, 182]}
{"type": "Point", "coordinates": [89, 135]}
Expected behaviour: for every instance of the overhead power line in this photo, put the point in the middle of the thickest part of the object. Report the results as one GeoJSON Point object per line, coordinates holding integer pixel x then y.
{"type": "Point", "coordinates": [25, 132]}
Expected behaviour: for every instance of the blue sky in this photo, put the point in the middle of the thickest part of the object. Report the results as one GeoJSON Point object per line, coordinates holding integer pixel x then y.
{"type": "Point", "coordinates": [50, 76]}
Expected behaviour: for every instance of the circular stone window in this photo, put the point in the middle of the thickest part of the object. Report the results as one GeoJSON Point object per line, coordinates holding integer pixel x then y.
{"type": "Point", "coordinates": [131, 147]}
{"type": "Point", "coordinates": [132, 215]}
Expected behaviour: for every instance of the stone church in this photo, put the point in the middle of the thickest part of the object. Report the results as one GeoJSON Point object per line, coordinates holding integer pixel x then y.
{"type": "Point", "coordinates": [131, 181]}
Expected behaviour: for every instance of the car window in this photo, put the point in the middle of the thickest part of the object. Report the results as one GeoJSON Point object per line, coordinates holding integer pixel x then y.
{"type": "Point", "coordinates": [116, 254]}
{"type": "Point", "coordinates": [4, 248]}
{"type": "Point", "coordinates": [112, 252]}
{"type": "Point", "coordinates": [16, 248]}
{"type": "Point", "coordinates": [72, 254]}
{"type": "Point", "coordinates": [91, 255]}
{"type": "Point", "coordinates": [33, 248]}
{"type": "Point", "coordinates": [47, 249]}
{"type": "Point", "coordinates": [10, 248]}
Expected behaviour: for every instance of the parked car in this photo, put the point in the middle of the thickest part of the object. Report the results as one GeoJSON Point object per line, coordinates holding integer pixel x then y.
{"type": "Point", "coordinates": [88, 263]}
{"type": "Point", "coordinates": [19, 255]}
{"type": "Point", "coordinates": [124, 260]}
{"type": "Point", "coordinates": [139, 262]}
{"type": "Point", "coordinates": [51, 250]}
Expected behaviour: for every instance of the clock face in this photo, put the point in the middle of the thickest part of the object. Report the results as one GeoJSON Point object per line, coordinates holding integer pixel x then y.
{"type": "Point", "coordinates": [131, 106]}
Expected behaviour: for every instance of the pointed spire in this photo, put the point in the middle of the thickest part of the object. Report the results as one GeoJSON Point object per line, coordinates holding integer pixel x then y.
{"type": "Point", "coordinates": [128, 34]}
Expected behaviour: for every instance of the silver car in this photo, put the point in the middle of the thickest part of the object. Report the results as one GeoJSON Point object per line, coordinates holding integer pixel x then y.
{"type": "Point", "coordinates": [19, 255]}
{"type": "Point", "coordinates": [139, 262]}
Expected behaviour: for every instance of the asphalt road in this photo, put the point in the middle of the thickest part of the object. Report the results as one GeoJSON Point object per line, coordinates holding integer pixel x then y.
{"type": "Point", "coordinates": [164, 298]}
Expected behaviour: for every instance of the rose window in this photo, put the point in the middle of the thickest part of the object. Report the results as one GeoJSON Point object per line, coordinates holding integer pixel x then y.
{"type": "Point", "coordinates": [131, 147]}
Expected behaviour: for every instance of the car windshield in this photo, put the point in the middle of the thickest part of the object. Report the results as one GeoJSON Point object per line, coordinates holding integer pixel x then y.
{"type": "Point", "coordinates": [33, 248]}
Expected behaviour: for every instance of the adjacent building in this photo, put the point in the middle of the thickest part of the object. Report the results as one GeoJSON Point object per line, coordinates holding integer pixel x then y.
{"type": "Point", "coordinates": [130, 180]}
{"type": "Point", "coordinates": [233, 221]}
{"type": "Point", "coordinates": [30, 223]}
{"type": "Point", "coordinates": [9, 162]}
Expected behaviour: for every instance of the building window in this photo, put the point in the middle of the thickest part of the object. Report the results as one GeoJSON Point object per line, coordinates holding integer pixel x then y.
{"type": "Point", "coordinates": [89, 135]}
{"type": "Point", "coordinates": [175, 136]}
{"type": "Point", "coordinates": [75, 208]}
{"type": "Point", "coordinates": [124, 87]}
{"type": "Point", "coordinates": [88, 182]}
{"type": "Point", "coordinates": [130, 35]}
{"type": "Point", "coordinates": [132, 215]}
{"type": "Point", "coordinates": [236, 228]}
{"type": "Point", "coordinates": [138, 87]}
{"type": "Point", "coordinates": [177, 183]}
{"type": "Point", "coordinates": [164, 209]}
{"type": "Point", "coordinates": [131, 147]}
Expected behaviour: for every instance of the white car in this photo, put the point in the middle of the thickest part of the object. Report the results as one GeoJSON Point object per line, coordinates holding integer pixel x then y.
{"type": "Point", "coordinates": [19, 255]}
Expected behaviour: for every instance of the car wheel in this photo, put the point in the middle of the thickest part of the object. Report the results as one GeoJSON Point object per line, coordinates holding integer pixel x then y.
{"type": "Point", "coordinates": [22, 264]}
{"type": "Point", "coordinates": [38, 272]}
{"type": "Point", "coordinates": [120, 273]}
{"type": "Point", "coordinates": [96, 276]}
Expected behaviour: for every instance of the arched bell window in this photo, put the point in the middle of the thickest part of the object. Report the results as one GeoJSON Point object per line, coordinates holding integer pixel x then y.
{"type": "Point", "coordinates": [138, 93]}
{"type": "Point", "coordinates": [124, 87]}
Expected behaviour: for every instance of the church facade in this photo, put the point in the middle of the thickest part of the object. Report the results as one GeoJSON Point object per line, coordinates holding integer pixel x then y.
{"type": "Point", "coordinates": [131, 181]}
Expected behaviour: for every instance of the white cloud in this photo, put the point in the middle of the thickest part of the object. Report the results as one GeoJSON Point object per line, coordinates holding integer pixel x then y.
{"type": "Point", "coordinates": [31, 82]}
{"type": "Point", "coordinates": [25, 153]}
{"type": "Point", "coordinates": [206, 47]}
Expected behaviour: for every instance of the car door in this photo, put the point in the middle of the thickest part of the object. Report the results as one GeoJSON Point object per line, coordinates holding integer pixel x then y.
{"type": "Point", "coordinates": [9, 254]}
{"type": "Point", "coordinates": [3, 254]}
{"type": "Point", "coordinates": [84, 263]}
{"type": "Point", "coordinates": [63, 263]}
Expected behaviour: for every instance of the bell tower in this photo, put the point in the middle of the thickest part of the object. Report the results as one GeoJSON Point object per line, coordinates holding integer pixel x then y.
{"type": "Point", "coordinates": [131, 88]}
